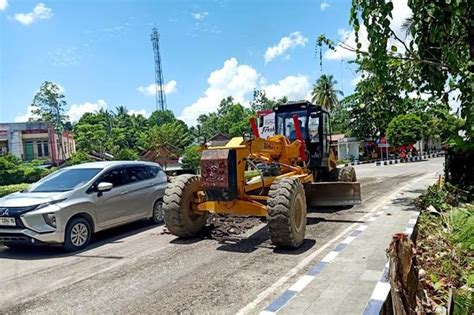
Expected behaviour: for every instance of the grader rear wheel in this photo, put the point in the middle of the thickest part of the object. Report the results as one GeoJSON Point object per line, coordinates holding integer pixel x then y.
{"type": "Point", "coordinates": [180, 219]}
{"type": "Point", "coordinates": [347, 174]}
{"type": "Point", "coordinates": [287, 213]}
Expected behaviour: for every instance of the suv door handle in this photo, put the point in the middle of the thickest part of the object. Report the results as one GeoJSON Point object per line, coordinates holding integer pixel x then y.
{"type": "Point", "coordinates": [124, 192]}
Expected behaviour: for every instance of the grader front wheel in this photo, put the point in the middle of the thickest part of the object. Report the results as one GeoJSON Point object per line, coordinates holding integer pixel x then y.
{"type": "Point", "coordinates": [287, 213]}
{"type": "Point", "coordinates": [180, 217]}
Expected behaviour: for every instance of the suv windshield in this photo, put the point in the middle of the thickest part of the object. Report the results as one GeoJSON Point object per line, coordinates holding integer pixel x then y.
{"type": "Point", "coordinates": [64, 180]}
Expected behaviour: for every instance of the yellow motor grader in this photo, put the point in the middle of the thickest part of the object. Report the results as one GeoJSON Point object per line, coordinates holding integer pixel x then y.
{"type": "Point", "coordinates": [295, 168]}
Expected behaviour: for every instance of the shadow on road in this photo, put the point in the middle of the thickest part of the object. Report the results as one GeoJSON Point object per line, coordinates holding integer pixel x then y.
{"type": "Point", "coordinates": [115, 235]}
{"type": "Point", "coordinates": [331, 209]}
{"type": "Point", "coordinates": [260, 239]}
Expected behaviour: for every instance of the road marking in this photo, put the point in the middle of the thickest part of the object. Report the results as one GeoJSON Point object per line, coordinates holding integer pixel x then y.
{"type": "Point", "coordinates": [372, 219]}
{"type": "Point", "coordinates": [308, 259]}
{"type": "Point", "coordinates": [348, 239]}
{"type": "Point", "coordinates": [379, 213]}
{"type": "Point", "coordinates": [330, 256]}
{"type": "Point", "coordinates": [381, 291]}
{"type": "Point", "coordinates": [362, 228]}
{"type": "Point", "coordinates": [301, 283]}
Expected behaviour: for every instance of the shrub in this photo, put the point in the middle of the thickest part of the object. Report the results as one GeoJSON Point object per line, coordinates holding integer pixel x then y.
{"type": "Point", "coordinates": [10, 189]}
{"type": "Point", "coordinates": [78, 158]}
{"type": "Point", "coordinates": [14, 171]}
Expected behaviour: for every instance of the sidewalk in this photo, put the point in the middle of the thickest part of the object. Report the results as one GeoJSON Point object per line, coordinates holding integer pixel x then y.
{"type": "Point", "coordinates": [349, 276]}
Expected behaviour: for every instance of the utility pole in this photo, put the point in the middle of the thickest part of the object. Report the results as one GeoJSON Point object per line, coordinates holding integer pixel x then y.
{"type": "Point", "coordinates": [159, 82]}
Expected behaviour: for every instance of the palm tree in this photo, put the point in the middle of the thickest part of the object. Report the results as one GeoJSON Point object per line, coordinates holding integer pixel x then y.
{"type": "Point", "coordinates": [121, 111]}
{"type": "Point", "coordinates": [324, 93]}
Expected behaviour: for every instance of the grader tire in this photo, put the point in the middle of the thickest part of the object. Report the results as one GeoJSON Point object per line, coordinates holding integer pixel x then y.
{"type": "Point", "coordinates": [179, 217]}
{"type": "Point", "coordinates": [347, 174]}
{"type": "Point", "coordinates": [287, 213]}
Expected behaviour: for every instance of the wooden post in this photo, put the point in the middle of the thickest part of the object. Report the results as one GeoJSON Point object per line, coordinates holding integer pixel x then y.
{"type": "Point", "coordinates": [406, 292]}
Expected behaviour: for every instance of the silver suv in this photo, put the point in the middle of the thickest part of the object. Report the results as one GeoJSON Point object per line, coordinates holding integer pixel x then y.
{"type": "Point", "coordinates": [69, 205]}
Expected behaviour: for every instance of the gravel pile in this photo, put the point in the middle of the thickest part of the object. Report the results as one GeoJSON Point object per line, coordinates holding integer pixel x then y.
{"type": "Point", "coordinates": [221, 226]}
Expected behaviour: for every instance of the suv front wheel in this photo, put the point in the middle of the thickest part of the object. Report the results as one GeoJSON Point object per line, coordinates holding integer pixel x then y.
{"type": "Point", "coordinates": [78, 235]}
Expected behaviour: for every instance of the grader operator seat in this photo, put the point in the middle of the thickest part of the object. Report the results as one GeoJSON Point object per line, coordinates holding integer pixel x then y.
{"type": "Point", "coordinates": [315, 129]}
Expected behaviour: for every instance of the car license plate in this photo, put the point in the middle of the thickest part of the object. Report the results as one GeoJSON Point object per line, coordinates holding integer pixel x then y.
{"type": "Point", "coordinates": [7, 221]}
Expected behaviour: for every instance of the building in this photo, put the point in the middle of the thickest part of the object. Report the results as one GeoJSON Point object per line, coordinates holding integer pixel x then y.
{"type": "Point", "coordinates": [35, 141]}
{"type": "Point", "coordinates": [218, 140]}
{"type": "Point", "coordinates": [348, 148]}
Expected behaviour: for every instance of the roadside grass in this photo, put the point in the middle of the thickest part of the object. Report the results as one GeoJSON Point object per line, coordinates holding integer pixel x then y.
{"type": "Point", "coordinates": [10, 189]}
{"type": "Point", "coordinates": [446, 247]}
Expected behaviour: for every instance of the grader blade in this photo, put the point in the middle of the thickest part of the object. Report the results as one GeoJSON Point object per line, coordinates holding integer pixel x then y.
{"type": "Point", "coordinates": [333, 194]}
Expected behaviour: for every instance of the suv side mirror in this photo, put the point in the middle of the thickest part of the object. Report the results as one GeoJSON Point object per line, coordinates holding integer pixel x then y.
{"type": "Point", "coordinates": [104, 186]}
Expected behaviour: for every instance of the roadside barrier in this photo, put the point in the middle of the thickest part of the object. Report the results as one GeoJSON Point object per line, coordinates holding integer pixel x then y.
{"type": "Point", "coordinates": [408, 159]}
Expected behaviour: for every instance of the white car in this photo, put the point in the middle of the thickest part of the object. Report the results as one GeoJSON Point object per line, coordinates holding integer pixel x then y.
{"type": "Point", "coordinates": [71, 204]}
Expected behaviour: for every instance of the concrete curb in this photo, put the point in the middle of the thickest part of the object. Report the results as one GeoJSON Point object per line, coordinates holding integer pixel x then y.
{"type": "Point", "coordinates": [408, 159]}
{"type": "Point", "coordinates": [380, 294]}
{"type": "Point", "coordinates": [317, 268]}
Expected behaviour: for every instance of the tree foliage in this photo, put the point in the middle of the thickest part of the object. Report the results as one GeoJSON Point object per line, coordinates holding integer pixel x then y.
{"type": "Point", "coordinates": [262, 102]}
{"type": "Point", "coordinates": [436, 59]}
{"type": "Point", "coordinates": [231, 119]}
{"type": "Point", "coordinates": [14, 171]}
{"type": "Point", "coordinates": [405, 129]}
{"type": "Point", "coordinates": [49, 104]}
{"type": "Point", "coordinates": [192, 157]}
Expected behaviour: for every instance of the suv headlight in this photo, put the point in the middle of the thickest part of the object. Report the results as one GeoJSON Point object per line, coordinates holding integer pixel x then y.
{"type": "Point", "coordinates": [42, 205]}
{"type": "Point", "coordinates": [50, 219]}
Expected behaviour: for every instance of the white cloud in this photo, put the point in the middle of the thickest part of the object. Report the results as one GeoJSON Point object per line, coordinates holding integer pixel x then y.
{"type": "Point", "coordinates": [239, 81]}
{"type": "Point", "coordinates": [40, 12]}
{"type": "Point", "coordinates": [27, 116]}
{"type": "Point", "coordinates": [76, 111]}
{"type": "Point", "coordinates": [400, 13]}
{"type": "Point", "coordinates": [151, 89]}
{"type": "Point", "coordinates": [294, 87]}
{"type": "Point", "coordinates": [232, 79]}
{"type": "Point", "coordinates": [288, 42]}
{"type": "Point", "coordinates": [142, 112]}
{"type": "Point", "coordinates": [3, 4]}
{"type": "Point", "coordinates": [324, 5]}
{"type": "Point", "coordinates": [199, 16]}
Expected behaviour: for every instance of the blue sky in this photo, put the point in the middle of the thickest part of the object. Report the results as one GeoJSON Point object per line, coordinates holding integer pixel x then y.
{"type": "Point", "coordinates": [100, 52]}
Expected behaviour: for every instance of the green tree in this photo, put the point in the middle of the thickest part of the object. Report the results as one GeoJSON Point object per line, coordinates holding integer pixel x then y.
{"type": "Point", "coordinates": [192, 157]}
{"type": "Point", "coordinates": [405, 129]}
{"type": "Point", "coordinates": [174, 136]}
{"type": "Point", "coordinates": [119, 134]}
{"type": "Point", "coordinates": [340, 120]}
{"type": "Point", "coordinates": [79, 157]}
{"type": "Point", "coordinates": [438, 58]}
{"type": "Point", "coordinates": [231, 119]}
{"type": "Point", "coordinates": [324, 93]}
{"type": "Point", "coordinates": [262, 102]}
{"type": "Point", "coordinates": [160, 117]}
{"type": "Point", "coordinates": [49, 104]}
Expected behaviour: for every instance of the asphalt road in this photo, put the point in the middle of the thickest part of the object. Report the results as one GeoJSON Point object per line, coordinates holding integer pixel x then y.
{"type": "Point", "coordinates": [139, 269]}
